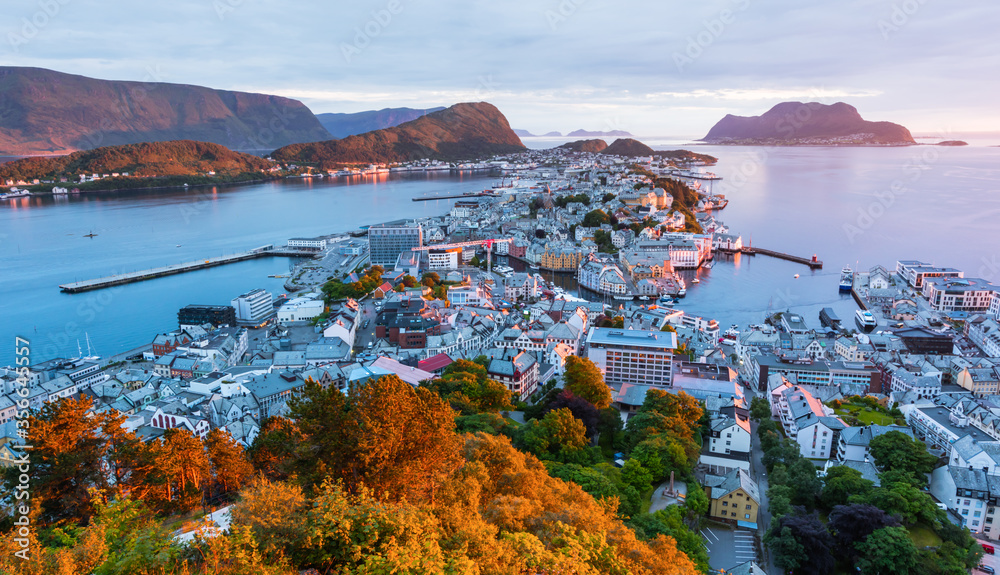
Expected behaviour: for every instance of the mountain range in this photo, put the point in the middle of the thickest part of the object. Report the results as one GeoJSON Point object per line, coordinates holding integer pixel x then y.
{"type": "Point", "coordinates": [48, 112]}
{"type": "Point", "coordinates": [343, 125]}
{"type": "Point", "coordinates": [797, 123]}
{"type": "Point", "coordinates": [460, 132]}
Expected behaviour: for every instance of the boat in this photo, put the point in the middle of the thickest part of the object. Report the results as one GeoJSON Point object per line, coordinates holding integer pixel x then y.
{"type": "Point", "coordinates": [15, 194]}
{"type": "Point", "coordinates": [90, 235]}
{"type": "Point", "coordinates": [695, 281]}
{"type": "Point", "coordinates": [622, 298]}
{"type": "Point", "coordinates": [796, 276]}
{"type": "Point", "coordinates": [643, 298]}
{"type": "Point", "coordinates": [846, 279]}
{"type": "Point", "coordinates": [178, 245]}
{"type": "Point", "coordinates": [866, 320]}
{"type": "Point", "coordinates": [732, 335]}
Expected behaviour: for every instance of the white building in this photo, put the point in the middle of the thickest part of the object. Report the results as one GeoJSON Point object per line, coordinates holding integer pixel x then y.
{"type": "Point", "coordinates": [444, 259]}
{"type": "Point", "coordinates": [632, 356]}
{"type": "Point", "coordinates": [308, 243]}
{"type": "Point", "coordinates": [254, 307]}
{"type": "Point", "coordinates": [300, 309]}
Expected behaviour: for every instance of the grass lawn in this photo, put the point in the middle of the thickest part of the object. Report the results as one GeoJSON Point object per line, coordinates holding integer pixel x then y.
{"type": "Point", "coordinates": [923, 536]}
{"type": "Point", "coordinates": [866, 416]}
{"type": "Point", "coordinates": [647, 500]}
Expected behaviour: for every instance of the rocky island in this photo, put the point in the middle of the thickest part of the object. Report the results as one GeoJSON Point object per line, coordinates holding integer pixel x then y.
{"type": "Point", "coordinates": [807, 124]}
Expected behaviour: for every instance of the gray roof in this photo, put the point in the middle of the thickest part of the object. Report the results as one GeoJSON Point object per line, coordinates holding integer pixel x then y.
{"type": "Point", "coordinates": [736, 479]}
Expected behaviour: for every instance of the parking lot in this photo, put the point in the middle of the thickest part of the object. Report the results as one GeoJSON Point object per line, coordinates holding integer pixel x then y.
{"type": "Point", "coordinates": [728, 548]}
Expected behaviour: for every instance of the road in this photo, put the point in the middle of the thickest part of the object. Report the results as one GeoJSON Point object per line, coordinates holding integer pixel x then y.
{"type": "Point", "coordinates": [759, 473]}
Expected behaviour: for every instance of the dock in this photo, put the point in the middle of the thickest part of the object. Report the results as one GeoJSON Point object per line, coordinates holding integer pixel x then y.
{"type": "Point", "coordinates": [454, 196]}
{"type": "Point", "coordinates": [153, 273]}
{"type": "Point", "coordinates": [812, 262]}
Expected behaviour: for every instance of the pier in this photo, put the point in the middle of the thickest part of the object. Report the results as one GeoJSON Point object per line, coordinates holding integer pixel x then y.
{"type": "Point", "coordinates": [812, 262]}
{"type": "Point", "coordinates": [143, 275]}
{"type": "Point", "coordinates": [454, 196]}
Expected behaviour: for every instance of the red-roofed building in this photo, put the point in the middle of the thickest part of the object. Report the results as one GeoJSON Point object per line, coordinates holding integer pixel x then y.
{"type": "Point", "coordinates": [435, 364]}
{"type": "Point", "coordinates": [382, 290]}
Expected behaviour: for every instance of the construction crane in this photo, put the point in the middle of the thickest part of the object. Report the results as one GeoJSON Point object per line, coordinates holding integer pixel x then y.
{"type": "Point", "coordinates": [488, 244]}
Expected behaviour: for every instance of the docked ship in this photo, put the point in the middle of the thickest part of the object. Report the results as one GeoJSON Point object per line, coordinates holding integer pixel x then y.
{"type": "Point", "coordinates": [866, 320]}
{"type": "Point", "coordinates": [15, 193]}
{"type": "Point", "coordinates": [732, 335]}
{"type": "Point", "coordinates": [846, 279]}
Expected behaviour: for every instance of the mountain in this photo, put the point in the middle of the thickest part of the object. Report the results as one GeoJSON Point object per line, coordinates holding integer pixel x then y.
{"type": "Point", "coordinates": [343, 125]}
{"type": "Point", "coordinates": [178, 158]}
{"type": "Point", "coordinates": [46, 112]}
{"type": "Point", "coordinates": [628, 147]}
{"type": "Point", "coordinates": [589, 134]}
{"type": "Point", "coordinates": [463, 131]}
{"type": "Point", "coordinates": [797, 123]}
{"type": "Point", "coordinates": [593, 146]}
{"type": "Point", "coordinates": [527, 134]}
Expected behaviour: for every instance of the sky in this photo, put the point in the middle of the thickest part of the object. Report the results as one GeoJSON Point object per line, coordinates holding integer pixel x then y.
{"type": "Point", "coordinates": [654, 68]}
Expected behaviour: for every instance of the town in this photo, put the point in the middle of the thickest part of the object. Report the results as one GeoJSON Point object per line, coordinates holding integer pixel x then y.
{"type": "Point", "coordinates": [889, 415]}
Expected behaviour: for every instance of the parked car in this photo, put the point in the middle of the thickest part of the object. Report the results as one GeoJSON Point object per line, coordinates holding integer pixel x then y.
{"type": "Point", "coordinates": [987, 548]}
{"type": "Point", "coordinates": [986, 569]}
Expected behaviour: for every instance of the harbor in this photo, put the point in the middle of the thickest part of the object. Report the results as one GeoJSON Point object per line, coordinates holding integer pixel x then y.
{"type": "Point", "coordinates": [812, 262]}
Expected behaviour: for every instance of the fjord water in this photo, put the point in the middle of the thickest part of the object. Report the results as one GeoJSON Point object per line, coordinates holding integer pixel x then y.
{"type": "Point", "coordinates": [849, 206]}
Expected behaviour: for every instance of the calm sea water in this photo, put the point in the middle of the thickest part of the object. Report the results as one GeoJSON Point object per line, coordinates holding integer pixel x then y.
{"type": "Point", "coordinates": [849, 206]}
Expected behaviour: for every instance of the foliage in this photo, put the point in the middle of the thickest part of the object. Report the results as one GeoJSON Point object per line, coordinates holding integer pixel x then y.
{"type": "Point", "coordinates": [669, 522]}
{"type": "Point", "coordinates": [840, 484]}
{"type": "Point", "coordinates": [563, 201]}
{"type": "Point", "coordinates": [583, 379]}
{"type": "Point", "coordinates": [465, 385]}
{"type": "Point", "coordinates": [852, 524]}
{"type": "Point", "coordinates": [580, 408]}
{"type": "Point", "coordinates": [273, 449]}
{"type": "Point", "coordinates": [800, 543]}
{"type": "Point", "coordinates": [229, 465]}
{"type": "Point", "coordinates": [558, 436]}
{"type": "Point", "coordinates": [335, 290]}
{"type": "Point", "coordinates": [897, 451]}
{"type": "Point", "coordinates": [887, 551]}
{"type": "Point", "coordinates": [595, 218]}
{"type": "Point", "coordinates": [760, 409]}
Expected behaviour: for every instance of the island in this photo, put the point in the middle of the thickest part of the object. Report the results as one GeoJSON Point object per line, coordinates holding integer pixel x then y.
{"type": "Point", "coordinates": [807, 124]}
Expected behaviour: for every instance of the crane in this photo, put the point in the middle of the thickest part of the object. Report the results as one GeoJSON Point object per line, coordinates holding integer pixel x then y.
{"type": "Point", "coordinates": [488, 244]}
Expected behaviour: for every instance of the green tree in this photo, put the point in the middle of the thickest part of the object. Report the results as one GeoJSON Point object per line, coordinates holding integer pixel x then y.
{"type": "Point", "coordinates": [465, 385]}
{"type": "Point", "coordinates": [840, 483]}
{"type": "Point", "coordinates": [887, 551]}
{"type": "Point", "coordinates": [273, 450]}
{"type": "Point", "coordinates": [558, 435]}
{"type": "Point", "coordinates": [760, 409]}
{"type": "Point", "coordinates": [594, 218]}
{"type": "Point", "coordinates": [806, 486]}
{"type": "Point", "coordinates": [583, 379]}
{"type": "Point", "coordinates": [230, 467]}
{"type": "Point", "coordinates": [634, 474]}
{"type": "Point", "coordinates": [788, 553]}
{"type": "Point", "coordinates": [897, 451]}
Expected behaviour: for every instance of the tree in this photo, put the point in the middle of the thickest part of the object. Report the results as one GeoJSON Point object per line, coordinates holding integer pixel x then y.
{"type": "Point", "coordinates": [430, 279]}
{"type": "Point", "coordinates": [812, 554]}
{"type": "Point", "coordinates": [186, 469]}
{"type": "Point", "coordinates": [580, 408]}
{"type": "Point", "coordinates": [273, 450]}
{"type": "Point", "coordinates": [466, 386]}
{"type": "Point", "coordinates": [557, 435]}
{"type": "Point", "coordinates": [805, 485]}
{"type": "Point", "coordinates": [66, 461]}
{"type": "Point", "coordinates": [540, 233]}
{"type": "Point", "coordinates": [897, 451]}
{"type": "Point", "coordinates": [669, 522]}
{"type": "Point", "coordinates": [229, 465]}
{"type": "Point", "coordinates": [852, 524]}
{"type": "Point", "coordinates": [887, 551]}
{"type": "Point", "coordinates": [273, 510]}
{"type": "Point", "coordinates": [840, 483]}
{"type": "Point", "coordinates": [634, 474]}
{"type": "Point", "coordinates": [760, 409]}
{"type": "Point", "coordinates": [409, 281]}
{"type": "Point", "coordinates": [595, 218]}
{"type": "Point", "coordinates": [583, 379]}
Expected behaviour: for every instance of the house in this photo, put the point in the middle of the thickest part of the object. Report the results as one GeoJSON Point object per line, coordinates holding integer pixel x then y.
{"type": "Point", "coordinates": [735, 498]}
{"type": "Point", "coordinates": [382, 290]}
{"type": "Point", "coordinates": [972, 494]}
{"type": "Point", "coordinates": [854, 441]}
{"type": "Point", "coordinates": [518, 370]}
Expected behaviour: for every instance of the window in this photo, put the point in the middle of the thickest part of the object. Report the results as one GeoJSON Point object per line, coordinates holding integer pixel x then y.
{"type": "Point", "coordinates": [747, 516]}
{"type": "Point", "coordinates": [725, 504]}
{"type": "Point", "coordinates": [749, 506]}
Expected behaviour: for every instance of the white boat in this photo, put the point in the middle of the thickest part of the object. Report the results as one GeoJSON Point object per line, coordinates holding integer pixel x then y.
{"type": "Point", "coordinates": [732, 335]}
{"type": "Point", "coordinates": [695, 281]}
{"type": "Point", "coordinates": [866, 320]}
{"type": "Point", "coordinates": [15, 194]}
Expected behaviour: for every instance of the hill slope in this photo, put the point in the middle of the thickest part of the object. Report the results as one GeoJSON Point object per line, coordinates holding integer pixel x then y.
{"type": "Point", "coordinates": [628, 147]}
{"type": "Point", "coordinates": [463, 131]}
{"type": "Point", "coordinates": [593, 146]}
{"type": "Point", "coordinates": [179, 158]}
{"type": "Point", "coordinates": [797, 123]}
{"type": "Point", "coordinates": [590, 134]}
{"type": "Point", "coordinates": [343, 125]}
{"type": "Point", "coordinates": [43, 111]}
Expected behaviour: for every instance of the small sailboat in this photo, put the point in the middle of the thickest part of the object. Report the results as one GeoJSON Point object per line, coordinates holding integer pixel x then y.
{"type": "Point", "coordinates": [90, 235]}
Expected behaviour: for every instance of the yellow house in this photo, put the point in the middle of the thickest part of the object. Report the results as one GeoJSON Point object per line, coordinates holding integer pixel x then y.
{"type": "Point", "coordinates": [979, 381]}
{"type": "Point", "coordinates": [734, 497]}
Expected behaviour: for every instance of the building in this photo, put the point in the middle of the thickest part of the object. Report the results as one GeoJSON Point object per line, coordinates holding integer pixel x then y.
{"type": "Point", "coordinates": [807, 421]}
{"type": "Point", "coordinates": [808, 371]}
{"type": "Point", "coordinates": [601, 276]}
{"type": "Point", "coordinates": [386, 242]}
{"type": "Point", "coordinates": [854, 442]}
{"type": "Point", "coordinates": [985, 333]}
{"type": "Point", "coordinates": [517, 370]}
{"type": "Point", "coordinates": [254, 308]}
{"type": "Point", "coordinates": [915, 272]}
{"type": "Point", "coordinates": [300, 309]}
{"type": "Point", "coordinates": [520, 285]}
{"type": "Point", "coordinates": [735, 498]}
{"type": "Point", "coordinates": [972, 295]}
{"type": "Point", "coordinates": [217, 315]}
{"type": "Point", "coordinates": [445, 259]}
{"type": "Point", "coordinates": [632, 356]}
{"type": "Point", "coordinates": [307, 243]}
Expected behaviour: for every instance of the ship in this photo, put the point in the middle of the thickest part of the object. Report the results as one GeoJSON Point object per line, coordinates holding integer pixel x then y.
{"type": "Point", "coordinates": [866, 320]}
{"type": "Point", "coordinates": [15, 193]}
{"type": "Point", "coordinates": [732, 335]}
{"type": "Point", "coordinates": [846, 279]}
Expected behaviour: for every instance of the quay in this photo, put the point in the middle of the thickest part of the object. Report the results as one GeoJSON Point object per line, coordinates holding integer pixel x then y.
{"type": "Point", "coordinates": [454, 196]}
{"type": "Point", "coordinates": [812, 262]}
{"type": "Point", "coordinates": [138, 276]}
